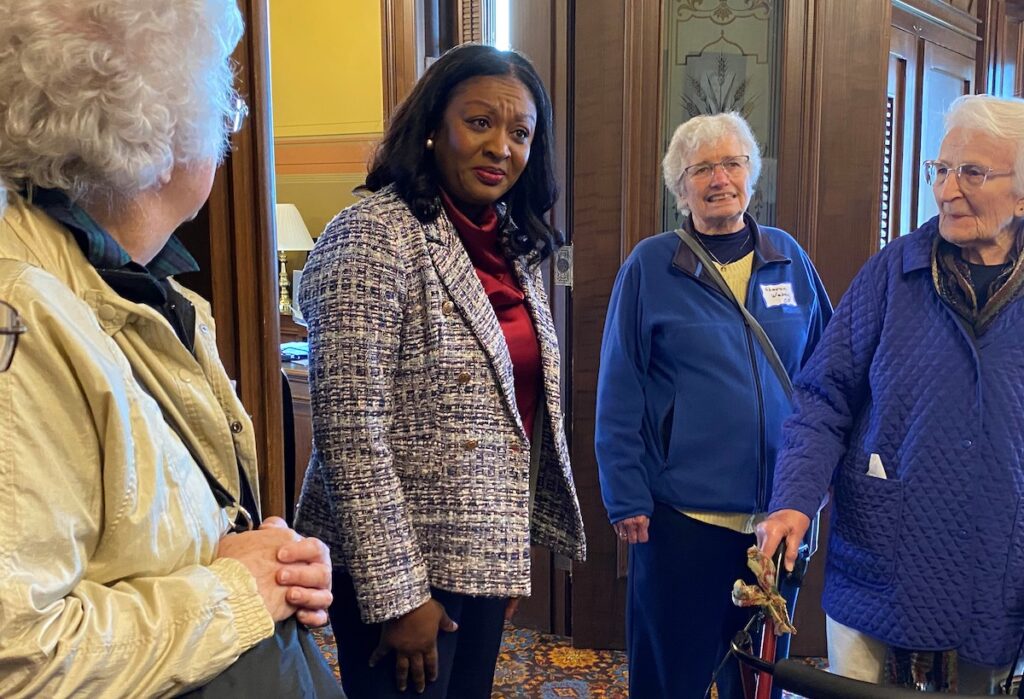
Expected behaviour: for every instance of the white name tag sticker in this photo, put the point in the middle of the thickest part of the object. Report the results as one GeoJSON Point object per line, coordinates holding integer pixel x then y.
{"type": "Point", "coordinates": [778, 295]}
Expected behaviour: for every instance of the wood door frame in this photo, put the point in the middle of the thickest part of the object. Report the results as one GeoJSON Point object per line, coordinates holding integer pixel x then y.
{"type": "Point", "coordinates": [401, 48]}
{"type": "Point", "coordinates": [234, 240]}
{"type": "Point", "coordinates": [595, 215]}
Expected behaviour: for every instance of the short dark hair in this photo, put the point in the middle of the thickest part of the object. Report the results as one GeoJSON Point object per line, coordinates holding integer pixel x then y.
{"type": "Point", "coordinates": [402, 157]}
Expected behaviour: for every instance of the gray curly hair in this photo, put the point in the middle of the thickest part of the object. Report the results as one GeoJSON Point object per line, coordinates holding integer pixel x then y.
{"type": "Point", "coordinates": [700, 131]}
{"type": "Point", "coordinates": [102, 98]}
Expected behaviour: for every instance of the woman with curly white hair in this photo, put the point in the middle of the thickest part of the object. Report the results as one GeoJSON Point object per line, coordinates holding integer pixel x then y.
{"type": "Point", "coordinates": [690, 405]}
{"type": "Point", "coordinates": [130, 564]}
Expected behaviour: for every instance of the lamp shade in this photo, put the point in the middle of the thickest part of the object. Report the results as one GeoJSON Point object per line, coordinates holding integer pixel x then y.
{"type": "Point", "coordinates": [292, 233]}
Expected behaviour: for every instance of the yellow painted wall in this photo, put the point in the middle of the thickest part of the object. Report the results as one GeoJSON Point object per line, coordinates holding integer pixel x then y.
{"type": "Point", "coordinates": [325, 60]}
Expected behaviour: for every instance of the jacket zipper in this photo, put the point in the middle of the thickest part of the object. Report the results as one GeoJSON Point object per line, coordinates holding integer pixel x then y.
{"type": "Point", "coordinates": [762, 468]}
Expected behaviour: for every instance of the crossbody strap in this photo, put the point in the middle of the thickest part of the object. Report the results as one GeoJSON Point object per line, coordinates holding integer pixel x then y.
{"type": "Point", "coordinates": [811, 537]}
{"type": "Point", "coordinates": [762, 337]}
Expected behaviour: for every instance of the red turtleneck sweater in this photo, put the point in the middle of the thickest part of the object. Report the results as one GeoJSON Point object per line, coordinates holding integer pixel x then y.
{"type": "Point", "coordinates": [480, 239]}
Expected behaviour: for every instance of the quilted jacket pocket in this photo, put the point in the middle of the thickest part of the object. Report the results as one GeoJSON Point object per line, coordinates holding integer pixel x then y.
{"type": "Point", "coordinates": [866, 528]}
{"type": "Point", "coordinates": [1013, 582]}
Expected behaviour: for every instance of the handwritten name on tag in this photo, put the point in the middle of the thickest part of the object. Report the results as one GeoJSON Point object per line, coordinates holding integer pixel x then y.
{"type": "Point", "coordinates": [778, 295]}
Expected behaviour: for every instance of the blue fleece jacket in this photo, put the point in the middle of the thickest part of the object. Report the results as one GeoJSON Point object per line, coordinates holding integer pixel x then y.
{"type": "Point", "coordinates": [930, 556]}
{"type": "Point", "coordinates": [689, 411]}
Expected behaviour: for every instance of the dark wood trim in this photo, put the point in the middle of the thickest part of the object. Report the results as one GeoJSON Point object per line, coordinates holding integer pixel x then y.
{"type": "Point", "coordinates": [598, 72]}
{"type": "Point", "coordinates": [800, 125]}
{"type": "Point", "coordinates": [642, 99]}
{"type": "Point", "coordinates": [990, 49]}
{"type": "Point", "coordinates": [935, 32]}
{"type": "Point", "coordinates": [399, 46]}
{"type": "Point", "coordinates": [832, 80]}
{"type": "Point", "coordinates": [234, 242]}
{"type": "Point", "coordinates": [943, 14]}
{"type": "Point", "coordinates": [561, 297]}
{"type": "Point", "coordinates": [539, 30]}
{"type": "Point", "coordinates": [250, 294]}
{"type": "Point", "coordinates": [642, 123]}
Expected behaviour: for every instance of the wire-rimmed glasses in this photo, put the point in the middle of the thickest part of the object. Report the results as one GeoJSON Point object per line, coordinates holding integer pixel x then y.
{"type": "Point", "coordinates": [732, 166]}
{"type": "Point", "coordinates": [11, 328]}
{"type": "Point", "coordinates": [969, 176]}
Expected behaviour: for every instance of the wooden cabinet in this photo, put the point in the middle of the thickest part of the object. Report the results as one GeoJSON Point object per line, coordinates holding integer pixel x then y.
{"type": "Point", "coordinates": [292, 331]}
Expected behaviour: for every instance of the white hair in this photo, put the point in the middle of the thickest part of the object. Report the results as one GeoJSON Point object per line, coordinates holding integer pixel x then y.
{"type": "Point", "coordinates": [102, 98]}
{"type": "Point", "coordinates": [701, 131]}
{"type": "Point", "coordinates": [1000, 117]}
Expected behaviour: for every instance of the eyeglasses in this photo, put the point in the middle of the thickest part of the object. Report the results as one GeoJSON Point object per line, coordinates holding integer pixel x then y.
{"type": "Point", "coordinates": [968, 175]}
{"type": "Point", "coordinates": [732, 166]}
{"type": "Point", "coordinates": [11, 328]}
{"type": "Point", "coordinates": [237, 115]}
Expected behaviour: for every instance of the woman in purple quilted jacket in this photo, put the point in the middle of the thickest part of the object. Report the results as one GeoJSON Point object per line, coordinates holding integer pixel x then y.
{"type": "Point", "coordinates": [912, 409]}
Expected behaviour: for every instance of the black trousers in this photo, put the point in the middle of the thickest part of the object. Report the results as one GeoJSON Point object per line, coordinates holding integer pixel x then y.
{"type": "Point", "coordinates": [466, 658]}
{"type": "Point", "coordinates": [680, 618]}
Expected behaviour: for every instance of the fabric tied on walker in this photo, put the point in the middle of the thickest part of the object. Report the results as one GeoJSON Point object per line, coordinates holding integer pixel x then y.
{"type": "Point", "coordinates": [765, 594]}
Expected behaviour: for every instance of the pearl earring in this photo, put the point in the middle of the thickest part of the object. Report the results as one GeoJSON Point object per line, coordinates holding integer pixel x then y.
{"type": "Point", "coordinates": [430, 144]}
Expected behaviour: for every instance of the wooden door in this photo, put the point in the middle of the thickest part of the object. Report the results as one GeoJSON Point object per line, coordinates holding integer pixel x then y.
{"type": "Point", "coordinates": [539, 29]}
{"type": "Point", "coordinates": [901, 160]}
{"type": "Point", "coordinates": [831, 79]}
{"type": "Point", "coordinates": [945, 75]}
{"type": "Point", "coordinates": [233, 241]}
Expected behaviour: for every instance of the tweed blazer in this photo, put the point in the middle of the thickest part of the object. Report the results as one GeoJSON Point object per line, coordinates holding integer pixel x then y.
{"type": "Point", "coordinates": [420, 469]}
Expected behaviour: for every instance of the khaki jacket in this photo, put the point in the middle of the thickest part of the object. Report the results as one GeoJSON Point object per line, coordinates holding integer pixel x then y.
{"type": "Point", "coordinates": [108, 584]}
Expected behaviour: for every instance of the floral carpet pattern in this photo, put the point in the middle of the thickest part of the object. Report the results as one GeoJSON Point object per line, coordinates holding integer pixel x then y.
{"type": "Point", "coordinates": [532, 665]}
{"type": "Point", "coordinates": [535, 665]}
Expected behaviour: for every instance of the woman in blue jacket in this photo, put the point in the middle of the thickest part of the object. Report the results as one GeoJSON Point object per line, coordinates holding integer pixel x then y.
{"type": "Point", "coordinates": [912, 409]}
{"type": "Point", "coordinates": [689, 409]}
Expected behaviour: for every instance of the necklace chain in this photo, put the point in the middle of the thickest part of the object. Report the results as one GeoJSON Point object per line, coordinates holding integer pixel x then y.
{"type": "Point", "coordinates": [714, 257]}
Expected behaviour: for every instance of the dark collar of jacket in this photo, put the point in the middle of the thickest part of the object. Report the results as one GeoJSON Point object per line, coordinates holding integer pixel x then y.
{"type": "Point", "coordinates": [917, 250]}
{"type": "Point", "coordinates": [764, 252]}
{"type": "Point", "coordinates": [509, 237]}
{"type": "Point", "coordinates": [919, 254]}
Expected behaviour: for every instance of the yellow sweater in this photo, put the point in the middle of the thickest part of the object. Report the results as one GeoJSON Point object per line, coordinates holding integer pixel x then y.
{"type": "Point", "coordinates": [737, 276]}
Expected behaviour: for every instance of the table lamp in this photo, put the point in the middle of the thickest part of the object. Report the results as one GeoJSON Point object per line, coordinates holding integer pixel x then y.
{"type": "Point", "coordinates": [292, 234]}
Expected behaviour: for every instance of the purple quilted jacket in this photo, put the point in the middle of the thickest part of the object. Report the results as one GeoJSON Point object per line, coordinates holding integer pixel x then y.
{"type": "Point", "coordinates": [932, 555]}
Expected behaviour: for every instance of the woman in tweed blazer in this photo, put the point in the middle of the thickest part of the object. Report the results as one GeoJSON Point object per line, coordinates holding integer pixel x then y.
{"type": "Point", "coordinates": [430, 334]}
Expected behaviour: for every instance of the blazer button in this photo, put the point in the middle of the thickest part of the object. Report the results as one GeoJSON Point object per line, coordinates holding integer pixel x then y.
{"type": "Point", "coordinates": [470, 444]}
{"type": "Point", "coordinates": [463, 378]}
{"type": "Point", "coordinates": [236, 426]}
{"type": "Point", "coordinates": [447, 308]}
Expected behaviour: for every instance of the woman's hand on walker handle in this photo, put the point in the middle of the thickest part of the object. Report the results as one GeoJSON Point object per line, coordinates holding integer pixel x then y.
{"type": "Point", "coordinates": [790, 525]}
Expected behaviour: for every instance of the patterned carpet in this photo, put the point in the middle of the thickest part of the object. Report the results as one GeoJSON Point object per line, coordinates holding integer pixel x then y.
{"type": "Point", "coordinates": [533, 665]}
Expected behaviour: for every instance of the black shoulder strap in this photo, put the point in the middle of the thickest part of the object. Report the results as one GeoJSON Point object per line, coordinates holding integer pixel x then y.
{"type": "Point", "coordinates": [751, 322]}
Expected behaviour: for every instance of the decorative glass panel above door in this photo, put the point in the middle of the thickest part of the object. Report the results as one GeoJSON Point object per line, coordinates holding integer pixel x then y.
{"type": "Point", "coordinates": [722, 56]}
